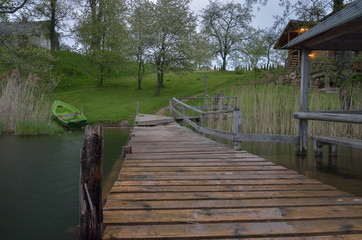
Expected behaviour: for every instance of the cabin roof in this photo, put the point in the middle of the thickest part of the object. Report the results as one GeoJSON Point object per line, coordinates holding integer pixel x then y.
{"type": "Point", "coordinates": [341, 31]}
{"type": "Point", "coordinates": [291, 29]}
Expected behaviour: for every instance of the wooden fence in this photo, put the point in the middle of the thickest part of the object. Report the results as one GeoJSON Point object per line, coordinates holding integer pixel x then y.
{"type": "Point", "coordinates": [217, 105]}
{"type": "Point", "coordinates": [350, 116]}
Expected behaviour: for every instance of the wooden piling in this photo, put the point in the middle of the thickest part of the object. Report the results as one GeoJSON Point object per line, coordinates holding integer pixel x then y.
{"type": "Point", "coordinates": [90, 187]}
{"type": "Point", "coordinates": [303, 124]}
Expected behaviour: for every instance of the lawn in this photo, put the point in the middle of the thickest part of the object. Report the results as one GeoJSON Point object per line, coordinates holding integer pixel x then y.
{"type": "Point", "coordinates": [117, 98]}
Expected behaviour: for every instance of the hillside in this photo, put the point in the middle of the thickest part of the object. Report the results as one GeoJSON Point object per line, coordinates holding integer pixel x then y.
{"type": "Point", "coordinates": [117, 98]}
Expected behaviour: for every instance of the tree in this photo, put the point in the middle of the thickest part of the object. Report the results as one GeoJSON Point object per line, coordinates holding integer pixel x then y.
{"type": "Point", "coordinates": [101, 30]}
{"type": "Point", "coordinates": [254, 50]}
{"type": "Point", "coordinates": [270, 37]}
{"type": "Point", "coordinates": [203, 51]}
{"type": "Point", "coordinates": [139, 21]}
{"type": "Point", "coordinates": [309, 11]}
{"type": "Point", "coordinates": [172, 30]}
{"type": "Point", "coordinates": [226, 25]}
{"type": "Point", "coordinates": [11, 6]}
{"type": "Point", "coordinates": [54, 10]}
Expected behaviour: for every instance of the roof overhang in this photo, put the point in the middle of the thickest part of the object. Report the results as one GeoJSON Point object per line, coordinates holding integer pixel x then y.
{"type": "Point", "coordinates": [341, 31]}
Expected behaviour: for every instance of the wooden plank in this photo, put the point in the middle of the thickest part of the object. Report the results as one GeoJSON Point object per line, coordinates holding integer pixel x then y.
{"type": "Point", "coordinates": [226, 195]}
{"type": "Point", "coordinates": [209, 173]}
{"type": "Point", "coordinates": [201, 169]}
{"type": "Point", "coordinates": [356, 143]}
{"type": "Point", "coordinates": [229, 203]}
{"type": "Point", "coordinates": [319, 237]}
{"type": "Point", "coordinates": [299, 180]}
{"type": "Point", "coordinates": [208, 215]}
{"type": "Point", "coordinates": [254, 137]}
{"type": "Point", "coordinates": [199, 158]}
{"type": "Point", "coordinates": [252, 229]}
{"type": "Point", "coordinates": [192, 163]}
{"type": "Point", "coordinates": [221, 188]}
{"type": "Point", "coordinates": [333, 117]}
{"type": "Point", "coordinates": [211, 177]}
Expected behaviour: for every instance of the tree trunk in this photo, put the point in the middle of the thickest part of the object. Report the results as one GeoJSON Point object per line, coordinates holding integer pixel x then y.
{"type": "Point", "coordinates": [101, 75]}
{"type": "Point", "coordinates": [223, 67]}
{"type": "Point", "coordinates": [161, 79]}
{"type": "Point", "coordinates": [53, 4]}
{"type": "Point", "coordinates": [158, 80]}
{"type": "Point", "coordinates": [141, 71]}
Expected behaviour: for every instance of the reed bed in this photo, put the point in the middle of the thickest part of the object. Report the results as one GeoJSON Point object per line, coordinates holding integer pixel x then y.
{"type": "Point", "coordinates": [268, 109]}
{"type": "Point", "coordinates": [22, 100]}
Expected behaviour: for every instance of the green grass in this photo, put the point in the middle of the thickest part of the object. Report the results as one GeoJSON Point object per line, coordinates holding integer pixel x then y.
{"type": "Point", "coordinates": [117, 98]}
{"type": "Point", "coordinates": [24, 128]}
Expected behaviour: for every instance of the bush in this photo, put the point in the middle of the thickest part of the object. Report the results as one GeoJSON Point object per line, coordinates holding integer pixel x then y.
{"type": "Point", "coordinates": [36, 128]}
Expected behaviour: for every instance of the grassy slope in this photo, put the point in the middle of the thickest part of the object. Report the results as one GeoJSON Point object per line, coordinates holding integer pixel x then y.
{"type": "Point", "coordinates": [117, 98]}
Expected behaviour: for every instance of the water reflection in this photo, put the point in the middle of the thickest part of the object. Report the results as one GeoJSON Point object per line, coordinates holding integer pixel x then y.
{"type": "Point", "coordinates": [343, 171]}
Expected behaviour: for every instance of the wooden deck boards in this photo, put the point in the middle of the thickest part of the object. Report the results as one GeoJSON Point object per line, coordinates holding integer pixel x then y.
{"type": "Point", "coordinates": [179, 185]}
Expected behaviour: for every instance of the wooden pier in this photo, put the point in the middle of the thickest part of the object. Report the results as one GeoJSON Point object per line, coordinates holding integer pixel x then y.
{"type": "Point", "coordinates": [177, 184]}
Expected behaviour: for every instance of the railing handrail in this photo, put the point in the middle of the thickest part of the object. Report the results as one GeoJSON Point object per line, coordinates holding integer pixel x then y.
{"type": "Point", "coordinates": [330, 116]}
{"type": "Point", "coordinates": [236, 135]}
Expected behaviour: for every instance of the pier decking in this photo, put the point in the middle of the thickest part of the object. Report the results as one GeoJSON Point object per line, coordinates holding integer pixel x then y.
{"type": "Point", "coordinates": [177, 184]}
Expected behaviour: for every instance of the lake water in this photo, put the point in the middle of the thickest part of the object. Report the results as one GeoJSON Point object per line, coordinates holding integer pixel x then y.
{"type": "Point", "coordinates": [343, 171]}
{"type": "Point", "coordinates": [39, 178]}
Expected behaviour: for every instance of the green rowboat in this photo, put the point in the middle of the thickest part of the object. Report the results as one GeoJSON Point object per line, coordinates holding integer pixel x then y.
{"type": "Point", "coordinates": [68, 115]}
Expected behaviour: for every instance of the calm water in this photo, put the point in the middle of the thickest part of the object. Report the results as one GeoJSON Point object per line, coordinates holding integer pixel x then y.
{"type": "Point", "coordinates": [343, 172]}
{"type": "Point", "coordinates": [39, 179]}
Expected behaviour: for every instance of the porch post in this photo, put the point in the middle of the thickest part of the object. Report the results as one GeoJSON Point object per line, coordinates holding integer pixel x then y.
{"type": "Point", "coordinates": [303, 124]}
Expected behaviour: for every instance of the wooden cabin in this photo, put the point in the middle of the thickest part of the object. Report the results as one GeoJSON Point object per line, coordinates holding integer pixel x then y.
{"type": "Point", "coordinates": [292, 30]}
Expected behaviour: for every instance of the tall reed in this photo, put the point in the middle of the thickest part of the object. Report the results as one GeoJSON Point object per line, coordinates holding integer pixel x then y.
{"type": "Point", "coordinates": [22, 100]}
{"type": "Point", "coordinates": [268, 109]}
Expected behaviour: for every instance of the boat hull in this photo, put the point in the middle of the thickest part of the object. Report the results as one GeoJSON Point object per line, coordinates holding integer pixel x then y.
{"type": "Point", "coordinates": [67, 115]}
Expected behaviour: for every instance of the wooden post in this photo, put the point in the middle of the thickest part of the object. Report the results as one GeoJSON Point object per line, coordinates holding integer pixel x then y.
{"type": "Point", "coordinates": [332, 149]}
{"type": "Point", "coordinates": [171, 108]}
{"type": "Point", "coordinates": [202, 122]}
{"type": "Point", "coordinates": [303, 124]}
{"type": "Point", "coordinates": [184, 113]}
{"type": "Point", "coordinates": [90, 187]}
{"type": "Point", "coordinates": [236, 128]}
{"type": "Point", "coordinates": [318, 148]}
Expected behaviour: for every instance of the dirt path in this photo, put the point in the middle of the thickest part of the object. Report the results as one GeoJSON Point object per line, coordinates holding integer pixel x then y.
{"type": "Point", "coordinates": [163, 110]}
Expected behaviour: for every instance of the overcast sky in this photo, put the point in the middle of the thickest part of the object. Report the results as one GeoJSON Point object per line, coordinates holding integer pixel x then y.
{"type": "Point", "coordinates": [263, 17]}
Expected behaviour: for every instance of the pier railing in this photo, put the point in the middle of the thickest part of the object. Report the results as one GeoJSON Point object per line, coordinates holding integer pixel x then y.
{"type": "Point", "coordinates": [348, 116]}
{"type": "Point", "coordinates": [220, 105]}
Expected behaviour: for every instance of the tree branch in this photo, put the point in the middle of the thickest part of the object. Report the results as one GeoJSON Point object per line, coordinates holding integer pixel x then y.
{"type": "Point", "coordinates": [11, 9]}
